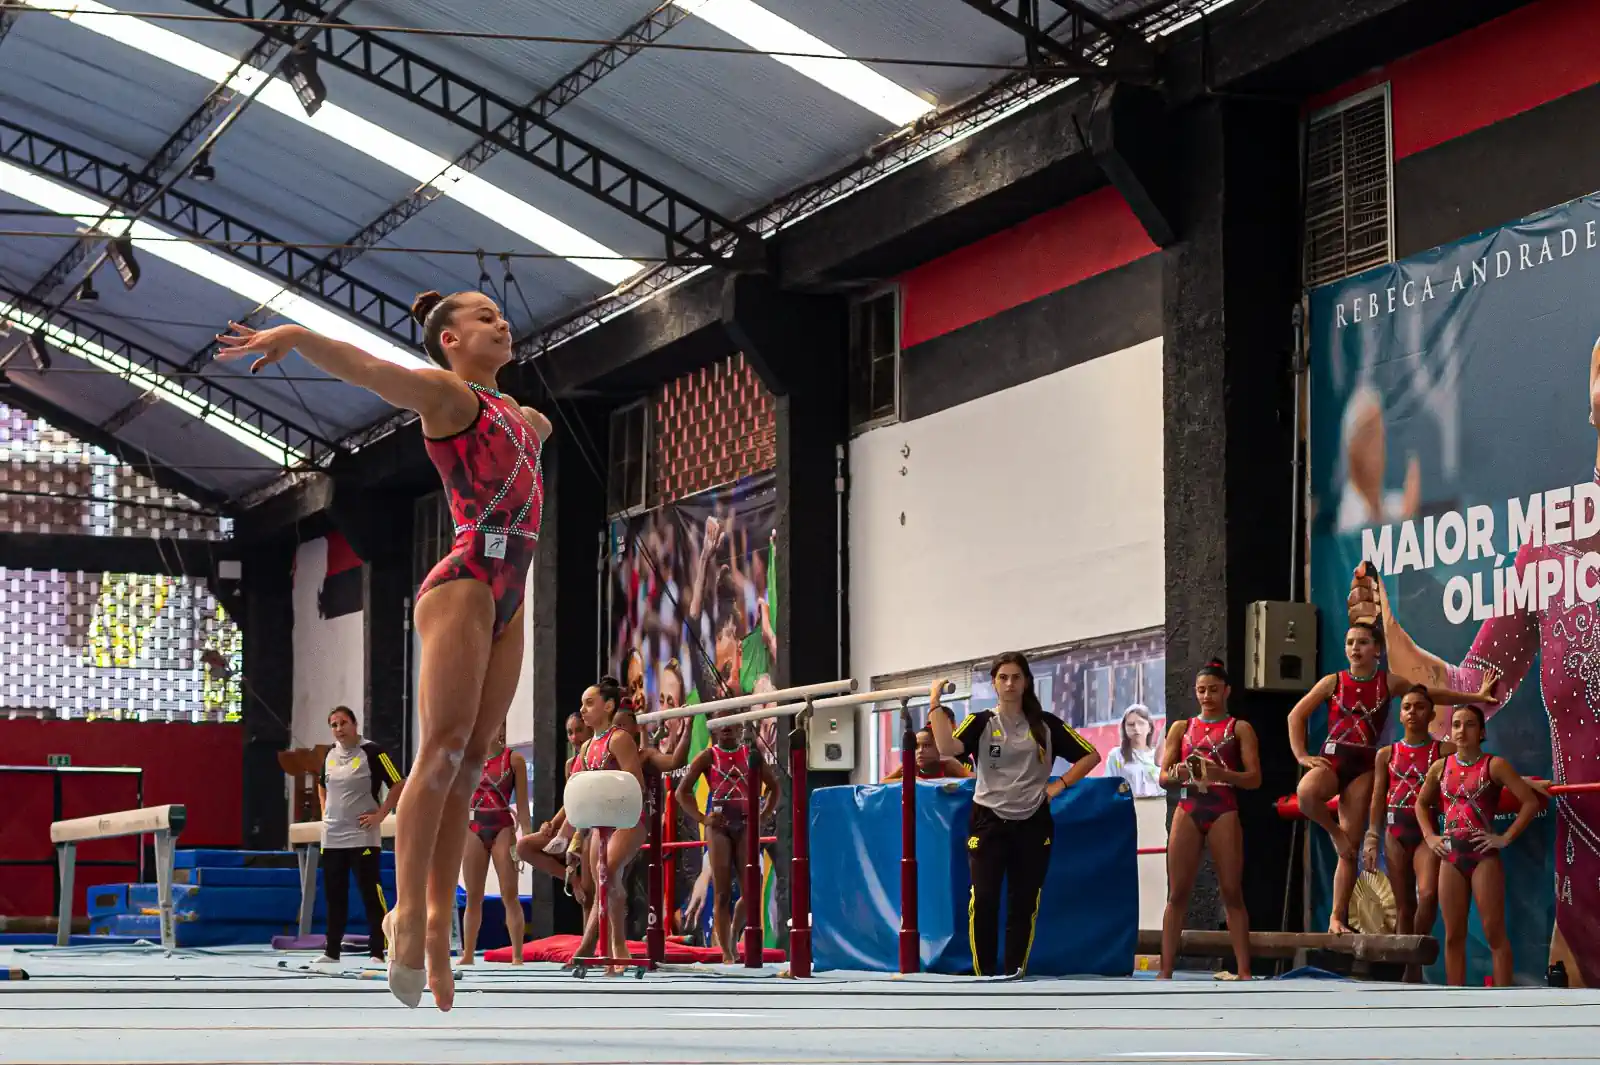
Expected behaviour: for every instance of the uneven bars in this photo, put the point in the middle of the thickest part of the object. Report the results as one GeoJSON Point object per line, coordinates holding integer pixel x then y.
{"type": "Point", "coordinates": [893, 695]}
{"type": "Point", "coordinates": [739, 702]}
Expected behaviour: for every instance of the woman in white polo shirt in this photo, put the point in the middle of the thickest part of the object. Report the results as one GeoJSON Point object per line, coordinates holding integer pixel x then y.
{"type": "Point", "coordinates": [1012, 749]}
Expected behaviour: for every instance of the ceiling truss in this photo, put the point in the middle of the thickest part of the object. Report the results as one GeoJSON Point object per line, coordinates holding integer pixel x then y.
{"type": "Point", "coordinates": [691, 232]}
{"type": "Point", "coordinates": [184, 215]}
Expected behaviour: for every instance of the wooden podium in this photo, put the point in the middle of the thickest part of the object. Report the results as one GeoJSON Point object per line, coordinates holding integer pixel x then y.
{"type": "Point", "coordinates": [304, 768]}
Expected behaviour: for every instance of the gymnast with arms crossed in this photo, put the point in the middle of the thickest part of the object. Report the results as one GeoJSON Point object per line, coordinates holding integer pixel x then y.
{"type": "Point", "coordinates": [487, 449]}
{"type": "Point", "coordinates": [1468, 785]}
{"type": "Point", "coordinates": [1207, 758]}
{"type": "Point", "coordinates": [1358, 709]}
{"type": "Point", "coordinates": [1397, 778]}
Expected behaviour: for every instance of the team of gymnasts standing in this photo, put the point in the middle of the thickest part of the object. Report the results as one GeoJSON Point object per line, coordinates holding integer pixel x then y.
{"type": "Point", "coordinates": [1425, 804]}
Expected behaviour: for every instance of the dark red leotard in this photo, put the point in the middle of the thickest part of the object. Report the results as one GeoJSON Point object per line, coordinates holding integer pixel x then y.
{"type": "Point", "coordinates": [1470, 797]}
{"type": "Point", "coordinates": [1408, 768]}
{"type": "Point", "coordinates": [491, 803]}
{"type": "Point", "coordinates": [1216, 742]}
{"type": "Point", "coordinates": [1356, 715]}
{"type": "Point", "coordinates": [493, 476]}
{"type": "Point", "coordinates": [598, 756]}
{"type": "Point", "coordinates": [727, 781]}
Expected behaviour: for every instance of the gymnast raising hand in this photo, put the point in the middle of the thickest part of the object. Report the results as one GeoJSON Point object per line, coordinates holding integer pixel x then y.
{"type": "Point", "coordinates": [487, 448]}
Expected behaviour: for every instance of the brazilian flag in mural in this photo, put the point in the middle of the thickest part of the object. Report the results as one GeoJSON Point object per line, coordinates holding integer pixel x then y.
{"type": "Point", "coordinates": [693, 602]}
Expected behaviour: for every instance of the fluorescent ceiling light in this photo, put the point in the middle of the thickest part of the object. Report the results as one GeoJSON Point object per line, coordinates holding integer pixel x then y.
{"type": "Point", "coordinates": [759, 28]}
{"type": "Point", "coordinates": [411, 159]}
{"type": "Point", "coordinates": [203, 262]}
{"type": "Point", "coordinates": [163, 388]}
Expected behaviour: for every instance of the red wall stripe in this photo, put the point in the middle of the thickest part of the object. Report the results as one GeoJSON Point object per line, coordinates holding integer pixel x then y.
{"type": "Point", "coordinates": [341, 556]}
{"type": "Point", "coordinates": [1535, 54]}
{"type": "Point", "coordinates": [1047, 253]}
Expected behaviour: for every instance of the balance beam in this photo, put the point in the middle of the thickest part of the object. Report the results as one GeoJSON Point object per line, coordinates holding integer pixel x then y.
{"type": "Point", "coordinates": [163, 822]}
{"type": "Point", "coordinates": [306, 839]}
{"type": "Point", "coordinates": [1398, 950]}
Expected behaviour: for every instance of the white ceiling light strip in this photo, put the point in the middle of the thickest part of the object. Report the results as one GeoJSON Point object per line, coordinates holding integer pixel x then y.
{"type": "Point", "coordinates": [203, 262]}
{"type": "Point", "coordinates": [759, 28]}
{"type": "Point", "coordinates": [411, 159]}
{"type": "Point", "coordinates": [269, 447]}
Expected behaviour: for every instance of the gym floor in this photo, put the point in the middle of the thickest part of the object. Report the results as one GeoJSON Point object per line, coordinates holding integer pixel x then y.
{"type": "Point", "coordinates": [112, 1006]}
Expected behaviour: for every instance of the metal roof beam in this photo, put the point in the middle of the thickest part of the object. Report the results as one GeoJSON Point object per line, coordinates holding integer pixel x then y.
{"type": "Point", "coordinates": [176, 211]}
{"type": "Point", "coordinates": [147, 184]}
{"type": "Point", "coordinates": [158, 471]}
{"type": "Point", "coordinates": [312, 444]}
{"type": "Point", "coordinates": [690, 230]}
{"type": "Point", "coordinates": [195, 557]}
{"type": "Point", "coordinates": [629, 43]}
{"type": "Point", "coordinates": [1054, 57]}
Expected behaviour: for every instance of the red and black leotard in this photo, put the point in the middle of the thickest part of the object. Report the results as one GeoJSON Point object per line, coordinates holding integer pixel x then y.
{"type": "Point", "coordinates": [1408, 768]}
{"type": "Point", "coordinates": [1357, 714]}
{"type": "Point", "coordinates": [727, 784]}
{"type": "Point", "coordinates": [491, 802]}
{"type": "Point", "coordinates": [598, 756]}
{"type": "Point", "coordinates": [493, 474]}
{"type": "Point", "coordinates": [1470, 796]}
{"type": "Point", "coordinates": [1216, 742]}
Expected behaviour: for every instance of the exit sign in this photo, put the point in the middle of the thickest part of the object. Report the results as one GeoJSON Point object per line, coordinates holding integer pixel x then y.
{"type": "Point", "coordinates": [58, 759]}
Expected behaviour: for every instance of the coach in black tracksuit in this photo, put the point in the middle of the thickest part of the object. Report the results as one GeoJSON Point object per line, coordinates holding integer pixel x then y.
{"type": "Point", "coordinates": [1012, 749]}
{"type": "Point", "coordinates": [353, 778]}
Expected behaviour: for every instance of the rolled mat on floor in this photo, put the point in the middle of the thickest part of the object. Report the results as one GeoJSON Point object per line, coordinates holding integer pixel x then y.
{"type": "Point", "coordinates": [561, 948]}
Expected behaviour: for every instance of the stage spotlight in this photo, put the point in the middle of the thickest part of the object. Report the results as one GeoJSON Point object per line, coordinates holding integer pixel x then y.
{"type": "Point", "coordinates": [86, 291]}
{"type": "Point", "coordinates": [301, 69]}
{"type": "Point", "coordinates": [202, 170]}
{"type": "Point", "coordinates": [40, 351]}
{"type": "Point", "coordinates": [120, 252]}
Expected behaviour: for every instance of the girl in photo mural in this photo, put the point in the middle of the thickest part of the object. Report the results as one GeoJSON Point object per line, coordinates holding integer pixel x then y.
{"type": "Point", "coordinates": [1134, 758]}
{"type": "Point", "coordinates": [1358, 710]}
{"type": "Point", "coordinates": [1563, 639]}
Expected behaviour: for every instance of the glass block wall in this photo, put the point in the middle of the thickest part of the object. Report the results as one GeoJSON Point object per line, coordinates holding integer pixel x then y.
{"type": "Point", "coordinates": [119, 646]}
{"type": "Point", "coordinates": [55, 484]}
{"type": "Point", "coordinates": [710, 427]}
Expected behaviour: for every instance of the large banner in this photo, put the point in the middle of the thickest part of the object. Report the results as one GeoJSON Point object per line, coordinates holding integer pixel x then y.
{"type": "Point", "coordinates": [693, 603]}
{"type": "Point", "coordinates": [1453, 446]}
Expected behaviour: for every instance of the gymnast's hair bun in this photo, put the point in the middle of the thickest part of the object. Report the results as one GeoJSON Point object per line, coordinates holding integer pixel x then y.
{"type": "Point", "coordinates": [423, 304]}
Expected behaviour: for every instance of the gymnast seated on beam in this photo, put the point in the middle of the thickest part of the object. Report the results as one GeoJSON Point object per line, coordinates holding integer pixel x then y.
{"type": "Point", "coordinates": [1358, 709]}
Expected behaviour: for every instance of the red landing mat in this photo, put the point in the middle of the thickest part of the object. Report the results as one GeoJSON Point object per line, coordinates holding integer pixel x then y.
{"type": "Point", "coordinates": [561, 948]}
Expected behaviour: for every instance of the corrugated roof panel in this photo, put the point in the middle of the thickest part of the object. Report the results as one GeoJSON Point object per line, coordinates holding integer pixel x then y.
{"type": "Point", "coordinates": [942, 29]}
{"type": "Point", "coordinates": [753, 125]}
{"type": "Point", "coordinates": [518, 70]}
{"type": "Point", "coordinates": [97, 95]}
{"type": "Point", "coordinates": [202, 453]}
{"type": "Point", "coordinates": [552, 286]}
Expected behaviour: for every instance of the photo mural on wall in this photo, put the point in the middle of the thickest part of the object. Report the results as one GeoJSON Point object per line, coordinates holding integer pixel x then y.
{"type": "Point", "coordinates": [1454, 406]}
{"type": "Point", "coordinates": [693, 608]}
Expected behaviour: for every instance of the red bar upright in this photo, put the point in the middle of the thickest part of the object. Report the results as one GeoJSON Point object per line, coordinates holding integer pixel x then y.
{"type": "Point", "coordinates": [800, 860]}
{"type": "Point", "coordinates": [655, 936]}
{"type": "Point", "coordinates": [751, 890]}
{"type": "Point", "coordinates": [910, 938]}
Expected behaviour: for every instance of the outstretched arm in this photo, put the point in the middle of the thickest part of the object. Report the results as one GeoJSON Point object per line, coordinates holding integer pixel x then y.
{"type": "Point", "coordinates": [1398, 686]}
{"type": "Point", "coordinates": [438, 395]}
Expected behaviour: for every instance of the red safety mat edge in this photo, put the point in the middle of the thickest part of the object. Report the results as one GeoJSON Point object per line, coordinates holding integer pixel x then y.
{"type": "Point", "coordinates": [561, 948]}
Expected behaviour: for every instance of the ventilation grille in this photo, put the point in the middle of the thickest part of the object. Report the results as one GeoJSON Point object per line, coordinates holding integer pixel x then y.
{"type": "Point", "coordinates": [711, 427]}
{"type": "Point", "coordinates": [1348, 191]}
